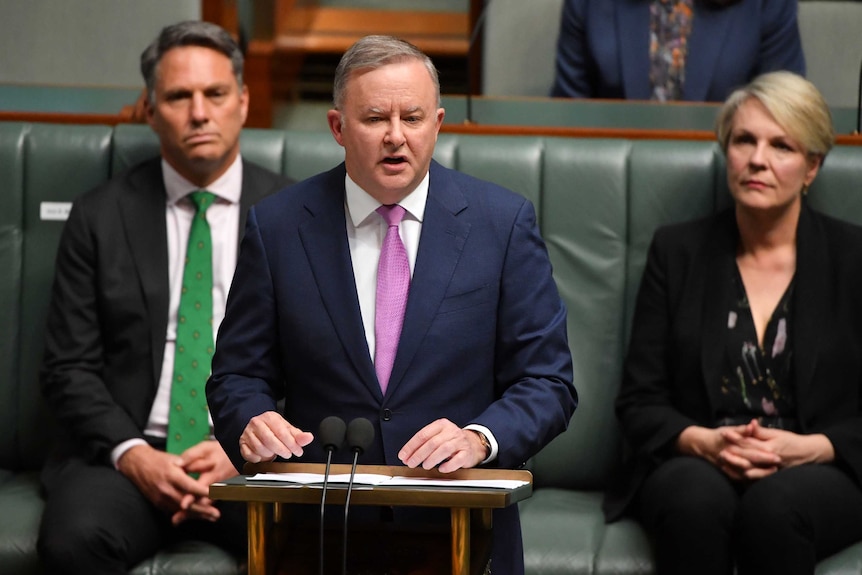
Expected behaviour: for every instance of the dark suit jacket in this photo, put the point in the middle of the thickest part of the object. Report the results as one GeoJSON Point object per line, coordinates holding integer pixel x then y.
{"type": "Point", "coordinates": [603, 48]}
{"type": "Point", "coordinates": [484, 336]}
{"type": "Point", "coordinates": [677, 346]}
{"type": "Point", "coordinates": [109, 309]}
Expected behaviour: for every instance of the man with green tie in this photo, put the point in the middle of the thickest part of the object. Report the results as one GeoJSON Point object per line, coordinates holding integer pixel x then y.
{"type": "Point", "coordinates": [142, 276]}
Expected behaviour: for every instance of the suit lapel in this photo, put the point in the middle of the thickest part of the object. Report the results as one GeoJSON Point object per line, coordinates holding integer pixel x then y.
{"type": "Point", "coordinates": [704, 49]}
{"type": "Point", "coordinates": [632, 19]}
{"type": "Point", "coordinates": [256, 185]}
{"type": "Point", "coordinates": [142, 208]}
{"type": "Point", "coordinates": [440, 246]}
{"type": "Point", "coordinates": [324, 238]}
{"type": "Point", "coordinates": [716, 273]}
{"type": "Point", "coordinates": [810, 303]}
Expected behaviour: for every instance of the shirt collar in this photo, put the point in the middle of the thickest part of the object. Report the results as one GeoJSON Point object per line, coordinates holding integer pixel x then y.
{"type": "Point", "coordinates": [360, 204]}
{"type": "Point", "coordinates": [228, 187]}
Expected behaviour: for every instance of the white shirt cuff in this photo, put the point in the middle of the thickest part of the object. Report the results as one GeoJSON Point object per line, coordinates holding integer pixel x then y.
{"type": "Point", "coordinates": [122, 448]}
{"type": "Point", "coordinates": [491, 439]}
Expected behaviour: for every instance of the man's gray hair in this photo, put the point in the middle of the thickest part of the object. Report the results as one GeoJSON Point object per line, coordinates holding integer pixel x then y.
{"type": "Point", "coordinates": [372, 52]}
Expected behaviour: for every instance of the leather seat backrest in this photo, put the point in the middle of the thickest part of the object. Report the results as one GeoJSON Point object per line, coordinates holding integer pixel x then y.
{"type": "Point", "coordinates": [584, 215]}
{"type": "Point", "coordinates": [11, 245]}
{"type": "Point", "coordinates": [61, 162]}
{"type": "Point", "coordinates": [837, 190]}
{"type": "Point", "coordinates": [598, 203]}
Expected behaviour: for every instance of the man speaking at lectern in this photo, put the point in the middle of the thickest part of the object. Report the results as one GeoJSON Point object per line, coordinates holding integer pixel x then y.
{"type": "Point", "coordinates": [394, 289]}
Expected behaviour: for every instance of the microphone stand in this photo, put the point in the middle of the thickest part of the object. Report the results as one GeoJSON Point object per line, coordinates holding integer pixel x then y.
{"type": "Point", "coordinates": [859, 104]}
{"type": "Point", "coordinates": [474, 35]}
{"type": "Point", "coordinates": [332, 430]}
{"type": "Point", "coordinates": [356, 452]}
{"type": "Point", "coordinates": [360, 434]}
{"type": "Point", "coordinates": [329, 451]}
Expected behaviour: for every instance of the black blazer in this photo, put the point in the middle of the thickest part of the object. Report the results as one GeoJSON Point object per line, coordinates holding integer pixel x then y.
{"type": "Point", "coordinates": [676, 350]}
{"type": "Point", "coordinates": [105, 335]}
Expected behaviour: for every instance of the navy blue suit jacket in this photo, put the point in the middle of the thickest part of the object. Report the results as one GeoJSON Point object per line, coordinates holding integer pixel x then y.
{"type": "Point", "coordinates": [603, 48]}
{"type": "Point", "coordinates": [484, 337]}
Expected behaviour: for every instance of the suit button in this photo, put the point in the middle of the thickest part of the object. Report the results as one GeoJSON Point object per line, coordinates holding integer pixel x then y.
{"type": "Point", "coordinates": [387, 415]}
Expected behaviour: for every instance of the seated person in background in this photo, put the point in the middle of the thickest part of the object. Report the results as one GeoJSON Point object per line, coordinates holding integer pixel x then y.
{"type": "Point", "coordinates": [458, 359]}
{"type": "Point", "coordinates": [122, 350]}
{"type": "Point", "coordinates": [742, 388]}
{"type": "Point", "coordinates": [695, 50]}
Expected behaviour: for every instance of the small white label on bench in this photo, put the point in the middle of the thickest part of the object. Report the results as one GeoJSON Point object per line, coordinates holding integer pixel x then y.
{"type": "Point", "coordinates": [55, 211]}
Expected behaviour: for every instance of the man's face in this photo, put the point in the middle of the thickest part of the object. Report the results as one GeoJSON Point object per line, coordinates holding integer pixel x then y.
{"type": "Point", "coordinates": [198, 112]}
{"type": "Point", "coordinates": [388, 128]}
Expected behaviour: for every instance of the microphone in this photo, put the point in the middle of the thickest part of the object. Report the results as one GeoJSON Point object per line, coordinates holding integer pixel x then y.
{"type": "Point", "coordinates": [859, 104]}
{"type": "Point", "coordinates": [245, 24]}
{"type": "Point", "coordinates": [331, 435]}
{"type": "Point", "coordinates": [360, 434]}
{"type": "Point", "coordinates": [471, 65]}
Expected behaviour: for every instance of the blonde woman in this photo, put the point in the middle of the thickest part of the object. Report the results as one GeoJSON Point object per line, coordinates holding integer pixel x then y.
{"type": "Point", "coordinates": [741, 391]}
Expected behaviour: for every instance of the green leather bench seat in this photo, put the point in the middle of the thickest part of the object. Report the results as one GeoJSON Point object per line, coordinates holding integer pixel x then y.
{"type": "Point", "coordinates": [598, 202]}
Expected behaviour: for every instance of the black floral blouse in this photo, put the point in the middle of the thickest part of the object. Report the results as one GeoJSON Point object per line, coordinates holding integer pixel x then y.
{"type": "Point", "coordinates": [757, 383]}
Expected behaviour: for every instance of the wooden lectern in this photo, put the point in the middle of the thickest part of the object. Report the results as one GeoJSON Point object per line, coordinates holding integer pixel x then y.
{"type": "Point", "coordinates": [460, 500]}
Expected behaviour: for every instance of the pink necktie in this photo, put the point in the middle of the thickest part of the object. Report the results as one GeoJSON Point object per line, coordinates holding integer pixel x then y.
{"type": "Point", "coordinates": [393, 284]}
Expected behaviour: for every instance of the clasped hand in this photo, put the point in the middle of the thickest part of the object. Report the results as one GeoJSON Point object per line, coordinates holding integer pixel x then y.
{"type": "Point", "coordinates": [440, 444]}
{"type": "Point", "coordinates": [751, 451]}
{"type": "Point", "coordinates": [164, 478]}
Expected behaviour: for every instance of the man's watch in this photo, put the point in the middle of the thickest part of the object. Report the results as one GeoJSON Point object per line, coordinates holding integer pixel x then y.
{"type": "Point", "coordinates": [485, 443]}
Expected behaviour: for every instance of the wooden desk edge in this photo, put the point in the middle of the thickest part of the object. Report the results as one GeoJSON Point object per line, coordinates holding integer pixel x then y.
{"type": "Point", "coordinates": [396, 470]}
{"type": "Point", "coordinates": [421, 496]}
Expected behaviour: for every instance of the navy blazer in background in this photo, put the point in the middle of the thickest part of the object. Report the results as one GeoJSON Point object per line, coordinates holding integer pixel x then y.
{"type": "Point", "coordinates": [677, 348]}
{"type": "Point", "coordinates": [484, 336]}
{"type": "Point", "coordinates": [603, 48]}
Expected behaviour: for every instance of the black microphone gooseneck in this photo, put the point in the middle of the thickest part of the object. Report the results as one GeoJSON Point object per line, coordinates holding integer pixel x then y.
{"type": "Point", "coordinates": [360, 434]}
{"type": "Point", "coordinates": [859, 104]}
{"type": "Point", "coordinates": [331, 436]}
{"type": "Point", "coordinates": [474, 35]}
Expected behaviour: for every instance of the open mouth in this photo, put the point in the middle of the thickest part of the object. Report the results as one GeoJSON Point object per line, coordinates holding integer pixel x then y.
{"type": "Point", "coordinates": [394, 161]}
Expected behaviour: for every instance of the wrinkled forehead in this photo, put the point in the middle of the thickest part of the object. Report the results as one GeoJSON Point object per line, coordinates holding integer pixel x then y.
{"type": "Point", "coordinates": [193, 59]}
{"type": "Point", "coordinates": [412, 70]}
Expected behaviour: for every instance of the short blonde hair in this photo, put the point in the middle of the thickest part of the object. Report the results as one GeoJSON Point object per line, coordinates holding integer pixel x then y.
{"type": "Point", "coordinates": [795, 103]}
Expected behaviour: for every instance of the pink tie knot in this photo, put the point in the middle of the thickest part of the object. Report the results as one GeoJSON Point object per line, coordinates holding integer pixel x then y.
{"type": "Point", "coordinates": [392, 213]}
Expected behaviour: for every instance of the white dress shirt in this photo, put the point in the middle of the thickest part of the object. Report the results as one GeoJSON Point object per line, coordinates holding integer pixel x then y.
{"type": "Point", "coordinates": [366, 230]}
{"type": "Point", "coordinates": [223, 217]}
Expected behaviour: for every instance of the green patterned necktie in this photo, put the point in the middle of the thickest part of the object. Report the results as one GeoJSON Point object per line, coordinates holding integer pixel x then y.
{"type": "Point", "coordinates": [188, 422]}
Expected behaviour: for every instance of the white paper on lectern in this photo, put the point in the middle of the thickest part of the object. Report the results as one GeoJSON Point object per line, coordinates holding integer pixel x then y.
{"type": "Point", "coordinates": [434, 482]}
{"type": "Point", "coordinates": [386, 480]}
{"type": "Point", "coordinates": [317, 478]}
